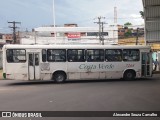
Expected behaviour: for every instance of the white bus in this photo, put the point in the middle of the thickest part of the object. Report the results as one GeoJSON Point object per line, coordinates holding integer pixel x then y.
{"type": "Point", "coordinates": [76, 62]}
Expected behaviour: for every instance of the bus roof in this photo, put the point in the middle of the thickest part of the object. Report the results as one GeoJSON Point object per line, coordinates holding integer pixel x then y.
{"type": "Point", "coordinates": [11, 46]}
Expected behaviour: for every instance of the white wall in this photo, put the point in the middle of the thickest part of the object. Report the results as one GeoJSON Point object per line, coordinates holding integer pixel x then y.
{"type": "Point", "coordinates": [38, 37]}
{"type": "Point", "coordinates": [1, 60]}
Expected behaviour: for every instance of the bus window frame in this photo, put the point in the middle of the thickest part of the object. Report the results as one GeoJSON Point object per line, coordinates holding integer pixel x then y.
{"type": "Point", "coordinates": [56, 55]}
{"type": "Point", "coordinates": [121, 55]}
{"type": "Point", "coordinates": [89, 59]}
{"type": "Point", "coordinates": [139, 54]}
{"type": "Point", "coordinates": [44, 57]}
{"type": "Point", "coordinates": [16, 57]}
{"type": "Point", "coordinates": [73, 60]}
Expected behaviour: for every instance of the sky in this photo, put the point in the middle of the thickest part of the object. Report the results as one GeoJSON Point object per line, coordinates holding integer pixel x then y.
{"type": "Point", "coordinates": [37, 13]}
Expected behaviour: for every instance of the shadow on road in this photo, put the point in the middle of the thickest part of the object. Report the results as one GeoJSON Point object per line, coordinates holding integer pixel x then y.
{"type": "Point", "coordinates": [25, 83]}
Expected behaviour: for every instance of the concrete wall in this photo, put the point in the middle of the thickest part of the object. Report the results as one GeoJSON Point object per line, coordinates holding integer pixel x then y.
{"type": "Point", "coordinates": [152, 21]}
{"type": "Point", "coordinates": [1, 60]}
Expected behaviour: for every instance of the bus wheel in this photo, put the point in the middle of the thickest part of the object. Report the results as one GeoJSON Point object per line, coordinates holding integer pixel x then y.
{"type": "Point", "coordinates": [59, 77]}
{"type": "Point", "coordinates": [129, 75]}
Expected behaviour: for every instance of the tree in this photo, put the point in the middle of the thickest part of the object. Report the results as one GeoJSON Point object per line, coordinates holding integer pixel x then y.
{"type": "Point", "coordinates": [127, 24]}
{"type": "Point", "coordinates": [142, 14]}
{"type": "Point", "coordinates": [128, 33]}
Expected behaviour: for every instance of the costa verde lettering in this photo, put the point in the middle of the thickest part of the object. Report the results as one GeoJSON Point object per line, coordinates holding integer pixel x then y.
{"type": "Point", "coordinates": [93, 67]}
{"type": "Point", "coordinates": [87, 67]}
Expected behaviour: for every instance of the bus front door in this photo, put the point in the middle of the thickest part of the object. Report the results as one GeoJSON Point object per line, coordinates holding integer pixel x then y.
{"type": "Point", "coordinates": [33, 66]}
{"type": "Point", "coordinates": [145, 64]}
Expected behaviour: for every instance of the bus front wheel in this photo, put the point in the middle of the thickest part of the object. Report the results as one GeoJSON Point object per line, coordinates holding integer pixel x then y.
{"type": "Point", "coordinates": [129, 75]}
{"type": "Point", "coordinates": [59, 77]}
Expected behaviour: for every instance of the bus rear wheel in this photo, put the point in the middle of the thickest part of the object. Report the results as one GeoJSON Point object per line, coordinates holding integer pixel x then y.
{"type": "Point", "coordinates": [129, 75]}
{"type": "Point", "coordinates": [59, 77]}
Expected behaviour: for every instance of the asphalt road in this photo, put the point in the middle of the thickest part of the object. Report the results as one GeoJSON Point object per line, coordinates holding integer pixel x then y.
{"type": "Point", "coordinates": [108, 95]}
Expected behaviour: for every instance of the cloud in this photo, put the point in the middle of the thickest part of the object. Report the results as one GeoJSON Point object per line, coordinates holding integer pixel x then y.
{"type": "Point", "coordinates": [84, 10]}
{"type": "Point", "coordinates": [35, 13]}
{"type": "Point", "coordinates": [76, 10]}
{"type": "Point", "coordinates": [31, 13]}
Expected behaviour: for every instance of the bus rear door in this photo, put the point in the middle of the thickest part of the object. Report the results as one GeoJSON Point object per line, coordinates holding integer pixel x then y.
{"type": "Point", "coordinates": [145, 64]}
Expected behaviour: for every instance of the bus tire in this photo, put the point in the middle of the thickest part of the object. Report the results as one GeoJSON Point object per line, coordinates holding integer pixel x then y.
{"type": "Point", "coordinates": [129, 75]}
{"type": "Point", "coordinates": [59, 77]}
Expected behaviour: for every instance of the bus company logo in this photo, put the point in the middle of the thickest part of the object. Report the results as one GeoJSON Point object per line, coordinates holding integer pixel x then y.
{"type": "Point", "coordinates": [94, 67]}
{"type": "Point", "coordinates": [6, 114]}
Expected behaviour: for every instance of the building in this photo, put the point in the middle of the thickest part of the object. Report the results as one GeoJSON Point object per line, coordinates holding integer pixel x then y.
{"type": "Point", "coordinates": [70, 25]}
{"type": "Point", "coordinates": [71, 34]}
{"type": "Point", "coordinates": [140, 32]}
{"type": "Point", "coordinates": [2, 42]}
{"type": "Point", "coordinates": [132, 30]}
{"type": "Point", "coordinates": [152, 21]}
{"type": "Point", "coordinates": [8, 38]}
{"type": "Point", "coordinates": [152, 25]}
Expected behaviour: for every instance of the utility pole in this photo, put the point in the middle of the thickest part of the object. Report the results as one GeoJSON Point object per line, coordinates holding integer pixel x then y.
{"type": "Point", "coordinates": [101, 29]}
{"type": "Point", "coordinates": [115, 15]}
{"type": "Point", "coordinates": [102, 33]}
{"type": "Point", "coordinates": [54, 21]}
{"type": "Point", "coordinates": [137, 36]}
{"type": "Point", "coordinates": [14, 30]}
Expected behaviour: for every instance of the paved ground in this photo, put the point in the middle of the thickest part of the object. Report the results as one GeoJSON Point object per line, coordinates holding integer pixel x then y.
{"type": "Point", "coordinates": [111, 95]}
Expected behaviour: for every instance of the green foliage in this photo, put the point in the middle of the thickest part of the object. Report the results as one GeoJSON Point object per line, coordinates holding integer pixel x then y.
{"type": "Point", "coordinates": [127, 24]}
{"type": "Point", "coordinates": [128, 33]}
{"type": "Point", "coordinates": [141, 13]}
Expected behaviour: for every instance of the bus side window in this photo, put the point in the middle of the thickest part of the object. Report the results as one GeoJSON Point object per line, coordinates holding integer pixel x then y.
{"type": "Point", "coordinates": [9, 56]}
{"type": "Point", "coordinates": [9, 59]}
{"type": "Point", "coordinates": [16, 55]}
{"type": "Point", "coordinates": [56, 55]}
{"type": "Point", "coordinates": [113, 55]}
{"type": "Point", "coordinates": [95, 55]}
{"type": "Point", "coordinates": [76, 55]}
{"type": "Point", "coordinates": [36, 59]}
{"type": "Point", "coordinates": [44, 55]}
{"type": "Point", "coordinates": [131, 55]}
{"type": "Point", "coordinates": [15, 59]}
